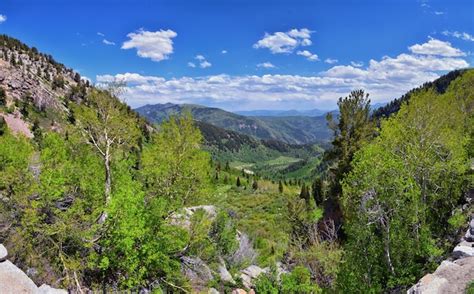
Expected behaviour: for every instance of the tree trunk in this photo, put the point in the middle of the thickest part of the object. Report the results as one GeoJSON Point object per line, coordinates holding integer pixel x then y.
{"type": "Point", "coordinates": [387, 249]}
{"type": "Point", "coordinates": [108, 180]}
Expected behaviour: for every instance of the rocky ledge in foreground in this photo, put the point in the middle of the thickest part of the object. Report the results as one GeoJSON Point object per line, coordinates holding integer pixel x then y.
{"type": "Point", "coordinates": [453, 275]}
{"type": "Point", "coordinates": [14, 281]}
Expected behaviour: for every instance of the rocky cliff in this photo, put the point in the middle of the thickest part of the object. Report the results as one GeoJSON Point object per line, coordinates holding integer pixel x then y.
{"type": "Point", "coordinates": [14, 281]}
{"type": "Point", "coordinates": [455, 273]}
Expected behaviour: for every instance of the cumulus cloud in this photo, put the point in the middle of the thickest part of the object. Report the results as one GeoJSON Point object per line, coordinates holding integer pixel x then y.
{"type": "Point", "coordinates": [357, 63]}
{"type": "Point", "coordinates": [205, 64]}
{"type": "Point", "coordinates": [3, 18]}
{"type": "Point", "coordinates": [107, 42]}
{"type": "Point", "coordinates": [460, 35]}
{"type": "Point", "coordinates": [331, 60]}
{"type": "Point", "coordinates": [100, 34]}
{"type": "Point", "coordinates": [200, 58]}
{"type": "Point", "coordinates": [266, 65]}
{"type": "Point", "coordinates": [285, 42]}
{"type": "Point", "coordinates": [156, 46]}
{"type": "Point", "coordinates": [202, 62]}
{"type": "Point", "coordinates": [384, 79]}
{"type": "Point", "coordinates": [310, 56]}
{"type": "Point", "coordinates": [224, 51]}
{"type": "Point", "coordinates": [436, 47]}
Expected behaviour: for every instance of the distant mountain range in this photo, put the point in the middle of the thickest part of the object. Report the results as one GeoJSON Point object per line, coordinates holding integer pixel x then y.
{"type": "Point", "coordinates": [292, 112]}
{"type": "Point", "coordinates": [288, 129]}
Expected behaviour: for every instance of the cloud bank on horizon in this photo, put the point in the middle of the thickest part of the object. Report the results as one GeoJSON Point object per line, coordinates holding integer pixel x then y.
{"type": "Point", "coordinates": [384, 79]}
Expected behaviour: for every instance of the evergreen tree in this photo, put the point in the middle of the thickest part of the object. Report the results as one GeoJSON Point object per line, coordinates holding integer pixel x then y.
{"type": "Point", "coordinates": [238, 182]}
{"type": "Point", "coordinates": [280, 186]}
{"type": "Point", "coordinates": [317, 189]}
{"type": "Point", "coordinates": [255, 185]}
{"type": "Point", "coordinates": [3, 97]}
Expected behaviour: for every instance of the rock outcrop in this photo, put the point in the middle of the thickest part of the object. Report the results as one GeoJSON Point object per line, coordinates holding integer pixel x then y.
{"type": "Point", "coordinates": [14, 281]}
{"type": "Point", "coordinates": [453, 275]}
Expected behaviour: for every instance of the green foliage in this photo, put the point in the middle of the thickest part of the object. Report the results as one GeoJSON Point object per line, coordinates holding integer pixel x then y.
{"type": "Point", "coordinates": [3, 97]}
{"type": "Point", "coordinates": [201, 243]}
{"type": "Point", "coordinates": [470, 288]}
{"type": "Point", "coordinates": [58, 82]}
{"type": "Point", "coordinates": [139, 245]}
{"type": "Point", "coordinates": [400, 193]}
{"type": "Point", "coordinates": [351, 131]}
{"type": "Point", "coordinates": [267, 284]}
{"type": "Point", "coordinates": [173, 165]}
{"type": "Point", "coordinates": [223, 233]}
{"type": "Point", "coordinates": [298, 282]}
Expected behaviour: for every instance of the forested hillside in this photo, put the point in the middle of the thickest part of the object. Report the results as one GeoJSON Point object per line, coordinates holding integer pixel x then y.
{"type": "Point", "coordinates": [93, 198]}
{"type": "Point", "coordinates": [288, 129]}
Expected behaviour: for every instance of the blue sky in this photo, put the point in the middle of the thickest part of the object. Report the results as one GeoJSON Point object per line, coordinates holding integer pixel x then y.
{"type": "Point", "coordinates": [242, 54]}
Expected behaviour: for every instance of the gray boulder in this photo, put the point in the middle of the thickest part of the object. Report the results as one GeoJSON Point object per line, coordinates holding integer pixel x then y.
{"type": "Point", "coordinates": [46, 289]}
{"type": "Point", "coordinates": [250, 273]}
{"type": "Point", "coordinates": [197, 271]}
{"type": "Point", "coordinates": [462, 250]}
{"type": "Point", "coordinates": [3, 253]}
{"type": "Point", "coordinates": [14, 280]}
{"type": "Point", "coordinates": [224, 274]}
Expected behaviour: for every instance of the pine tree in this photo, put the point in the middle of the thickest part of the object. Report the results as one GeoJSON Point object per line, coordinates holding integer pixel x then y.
{"type": "Point", "coordinates": [3, 97]}
{"type": "Point", "coordinates": [238, 184]}
{"type": "Point", "coordinates": [255, 185]}
{"type": "Point", "coordinates": [280, 186]}
{"type": "Point", "coordinates": [318, 191]}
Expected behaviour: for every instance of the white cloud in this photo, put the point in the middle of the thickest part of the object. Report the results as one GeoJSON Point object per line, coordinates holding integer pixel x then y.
{"type": "Point", "coordinates": [200, 57]}
{"type": "Point", "coordinates": [285, 42]}
{"type": "Point", "coordinates": [438, 12]}
{"type": "Point", "coordinates": [460, 35]}
{"type": "Point", "coordinates": [157, 45]}
{"type": "Point", "coordinates": [205, 64]}
{"type": "Point", "coordinates": [3, 18]}
{"type": "Point", "coordinates": [100, 34]}
{"type": "Point", "coordinates": [266, 65]}
{"type": "Point", "coordinates": [331, 60]}
{"type": "Point", "coordinates": [436, 47]}
{"type": "Point", "coordinates": [310, 56]}
{"type": "Point", "coordinates": [224, 51]}
{"type": "Point", "coordinates": [384, 79]}
{"type": "Point", "coordinates": [107, 42]}
{"type": "Point", "coordinates": [357, 63]}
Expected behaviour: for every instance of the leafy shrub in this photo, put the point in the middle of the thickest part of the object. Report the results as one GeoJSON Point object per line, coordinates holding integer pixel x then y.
{"type": "Point", "coordinates": [224, 232]}
{"type": "Point", "coordinates": [298, 282]}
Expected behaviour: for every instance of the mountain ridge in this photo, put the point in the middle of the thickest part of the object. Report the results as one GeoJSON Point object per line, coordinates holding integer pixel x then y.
{"type": "Point", "coordinates": [288, 129]}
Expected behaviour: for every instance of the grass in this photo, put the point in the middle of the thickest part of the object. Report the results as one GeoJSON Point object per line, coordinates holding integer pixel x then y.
{"type": "Point", "coordinates": [470, 288]}
{"type": "Point", "coordinates": [261, 214]}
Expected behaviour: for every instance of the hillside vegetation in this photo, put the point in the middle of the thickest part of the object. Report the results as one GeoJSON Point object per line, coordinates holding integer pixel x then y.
{"type": "Point", "coordinates": [288, 129]}
{"type": "Point", "coordinates": [94, 198]}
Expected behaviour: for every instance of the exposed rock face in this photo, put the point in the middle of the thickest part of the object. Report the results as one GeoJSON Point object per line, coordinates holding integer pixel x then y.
{"type": "Point", "coordinates": [197, 271]}
{"type": "Point", "coordinates": [183, 218]}
{"type": "Point", "coordinates": [250, 273]}
{"type": "Point", "coordinates": [452, 276]}
{"type": "Point", "coordinates": [13, 280]}
{"type": "Point", "coordinates": [224, 274]}
{"type": "Point", "coordinates": [245, 252]}
{"type": "Point", "coordinates": [17, 125]}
